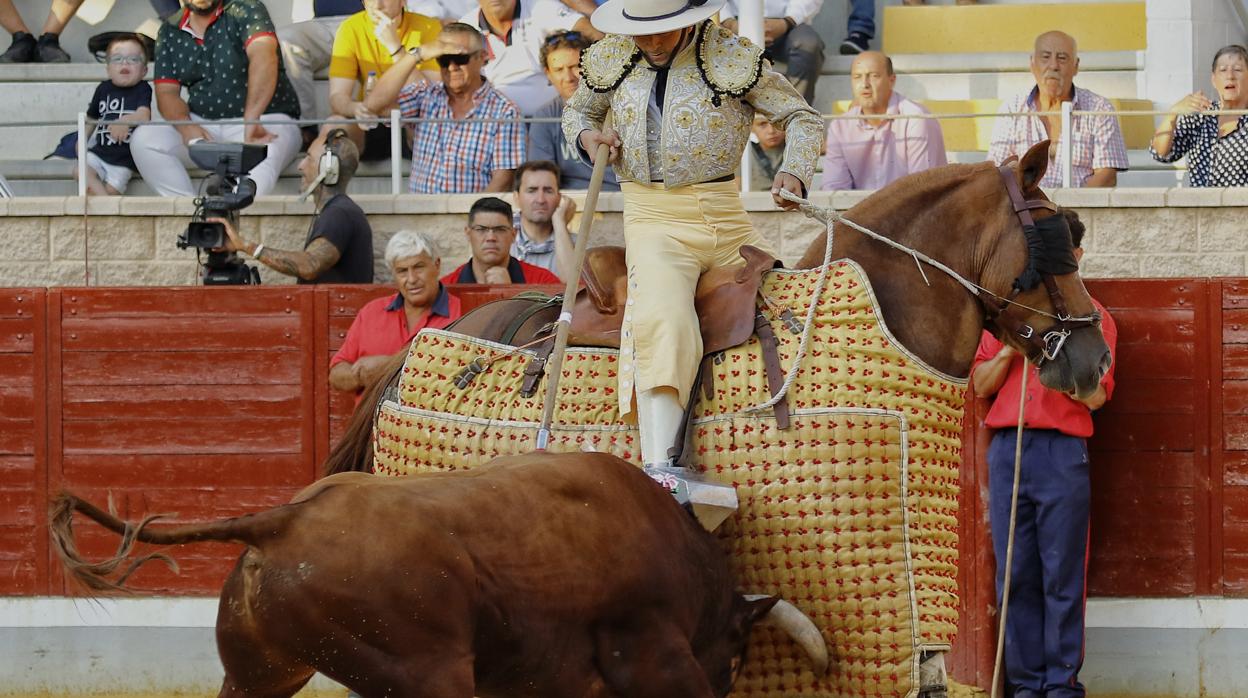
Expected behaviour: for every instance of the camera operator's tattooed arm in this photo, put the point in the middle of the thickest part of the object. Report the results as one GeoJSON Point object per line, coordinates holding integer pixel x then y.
{"type": "Point", "coordinates": [307, 264]}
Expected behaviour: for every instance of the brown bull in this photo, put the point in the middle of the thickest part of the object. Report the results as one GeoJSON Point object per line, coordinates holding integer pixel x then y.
{"type": "Point", "coordinates": [537, 575]}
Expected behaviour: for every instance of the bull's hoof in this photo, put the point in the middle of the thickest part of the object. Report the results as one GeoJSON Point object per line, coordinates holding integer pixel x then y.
{"type": "Point", "coordinates": [711, 502]}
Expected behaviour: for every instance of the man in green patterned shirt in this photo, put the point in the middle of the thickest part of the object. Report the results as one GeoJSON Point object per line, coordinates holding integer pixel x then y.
{"type": "Point", "coordinates": [224, 52]}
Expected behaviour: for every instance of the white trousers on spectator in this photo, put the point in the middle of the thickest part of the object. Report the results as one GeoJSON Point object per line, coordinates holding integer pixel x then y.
{"type": "Point", "coordinates": [162, 158]}
{"type": "Point", "coordinates": [306, 50]}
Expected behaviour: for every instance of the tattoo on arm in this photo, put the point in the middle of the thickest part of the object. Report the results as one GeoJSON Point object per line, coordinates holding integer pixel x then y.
{"type": "Point", "coordinates": [307, 264]}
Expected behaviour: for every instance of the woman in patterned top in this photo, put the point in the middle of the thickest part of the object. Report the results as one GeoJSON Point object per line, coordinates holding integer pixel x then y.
{"type": "Point", "coordinates": [1217, 144]}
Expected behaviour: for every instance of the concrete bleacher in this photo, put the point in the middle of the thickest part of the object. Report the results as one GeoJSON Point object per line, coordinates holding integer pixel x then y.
{"type": "Point", "coordinates": [973, 57]}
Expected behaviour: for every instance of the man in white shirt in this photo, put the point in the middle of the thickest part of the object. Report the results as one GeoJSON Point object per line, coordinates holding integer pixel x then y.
{"type": "Point", "coordinates": [789, 37]}
{"type": "Point", "coordinates": [514, 32]}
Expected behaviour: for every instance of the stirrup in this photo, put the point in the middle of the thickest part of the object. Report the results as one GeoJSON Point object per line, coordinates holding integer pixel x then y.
{"type": "Point", "coordinates": [710, 502]}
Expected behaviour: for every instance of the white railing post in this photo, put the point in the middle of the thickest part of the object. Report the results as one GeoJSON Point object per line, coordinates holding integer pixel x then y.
{"type": "Point", "coordinates": [396, 153]}
{"type": "Point", "coordinates": [1068, 143]}
{"type": "Point", "coordinates": [82, 155]}
{"type": "Point", "coordinates": [749, 25]}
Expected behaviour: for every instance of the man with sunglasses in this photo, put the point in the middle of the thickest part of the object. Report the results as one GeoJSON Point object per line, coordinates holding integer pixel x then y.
{"type": "Point", "coordinates": [468, 137]}
{"type": "Point", "coordinates": [683, 92]}
{"type": "Point", "coordinates": [490, 234]}
{"type": "Point", "coordinates": [515, 31]}
{"type": "Point", "coordinates": [561, 59]}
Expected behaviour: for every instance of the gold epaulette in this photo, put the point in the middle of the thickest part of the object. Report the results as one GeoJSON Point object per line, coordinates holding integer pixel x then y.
{"type": "Point", "coordinates": [730, 64]}
{"type": "Point", "coordinates": [605, 64]}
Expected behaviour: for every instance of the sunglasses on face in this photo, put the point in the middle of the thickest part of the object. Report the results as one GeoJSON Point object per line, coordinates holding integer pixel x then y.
{"type": "Point", "coordinates": [449, 59]}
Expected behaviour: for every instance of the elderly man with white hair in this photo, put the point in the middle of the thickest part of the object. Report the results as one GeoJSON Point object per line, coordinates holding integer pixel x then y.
{"type": "Point", "coordinates": [385, 326]}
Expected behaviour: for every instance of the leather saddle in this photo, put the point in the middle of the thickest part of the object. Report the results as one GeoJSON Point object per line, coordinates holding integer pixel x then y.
{"type": "Point", "coordinates": [724, 299]}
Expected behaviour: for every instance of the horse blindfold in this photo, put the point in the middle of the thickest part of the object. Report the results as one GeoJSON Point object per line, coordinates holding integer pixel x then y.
{"type": "Point", "coordinates": [1050, 252]}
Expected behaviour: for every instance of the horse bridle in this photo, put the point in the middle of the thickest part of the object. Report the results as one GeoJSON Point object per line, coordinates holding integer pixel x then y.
{"type": "Point", "coordinates": [1049, 343]}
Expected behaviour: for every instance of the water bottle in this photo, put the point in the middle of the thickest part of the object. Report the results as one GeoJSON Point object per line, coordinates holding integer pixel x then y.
{"type": "Point", "coordinates": [370, 82]}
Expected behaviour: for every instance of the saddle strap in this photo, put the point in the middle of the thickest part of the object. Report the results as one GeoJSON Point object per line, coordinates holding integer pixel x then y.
{"type": "Point", "coordinates": [536, 367]}
{"type": "Point", "coordinates": [771, 363]}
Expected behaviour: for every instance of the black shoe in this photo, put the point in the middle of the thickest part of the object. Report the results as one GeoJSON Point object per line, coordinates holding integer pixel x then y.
{"type": "Point", "coordinates": [22, 50]}
{"type": "Point", "coordinates": [50, 50]}
{"type": "Point", "coordinates": [855, 43]}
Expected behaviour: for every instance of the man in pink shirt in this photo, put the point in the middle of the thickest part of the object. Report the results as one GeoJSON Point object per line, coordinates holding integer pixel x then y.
{"type": "Point", "coordinates": [869, 153]}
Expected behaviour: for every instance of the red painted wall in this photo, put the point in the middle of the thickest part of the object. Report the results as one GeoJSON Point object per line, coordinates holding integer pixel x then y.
{"type": "Point", "coordinates": [209, 402]}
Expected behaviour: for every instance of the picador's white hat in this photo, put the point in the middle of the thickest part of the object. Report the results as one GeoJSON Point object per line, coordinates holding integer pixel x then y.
{"type": "Point", "coordinates": [642, 17]}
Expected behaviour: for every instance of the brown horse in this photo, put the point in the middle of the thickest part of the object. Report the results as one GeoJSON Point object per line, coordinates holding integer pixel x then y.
{"type": "Point", "coordinates": [961, 215]}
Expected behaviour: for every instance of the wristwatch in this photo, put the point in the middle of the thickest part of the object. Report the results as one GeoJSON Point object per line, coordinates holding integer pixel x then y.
{"type": "Point", "coordinates": [417, 53]}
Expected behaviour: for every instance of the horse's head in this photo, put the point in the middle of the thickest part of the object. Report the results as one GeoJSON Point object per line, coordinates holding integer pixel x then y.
{"type": "Point", "coordinates": [1047, 313]}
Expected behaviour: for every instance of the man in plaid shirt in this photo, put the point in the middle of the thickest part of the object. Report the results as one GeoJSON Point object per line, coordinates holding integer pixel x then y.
{"type": "Point", "coordinates": [481, 150]}
{"type": "Point", "coordinates": [1098, 152]}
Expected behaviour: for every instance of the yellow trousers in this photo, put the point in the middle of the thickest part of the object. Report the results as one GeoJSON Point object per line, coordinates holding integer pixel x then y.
{"type": "Point", "coordinates": [671, 236]}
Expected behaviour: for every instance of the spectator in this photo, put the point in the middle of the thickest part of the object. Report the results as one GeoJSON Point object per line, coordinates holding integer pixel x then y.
{"type": "Point", "coordinates": [235, 38]}
{"type": "Point", "coordinates": [124, 98]}
{"type": "Point", "coordinates": [1098, 150]}
{"type": "Point", "coordinates": [445, 11]}
{"type": "Point", "coordinates": [478, 154]}
{"type": "Point", "coordinates": [490, 234]}
{"type": "Point", "coordinates": [25, 47]}
{"type": "Point", "coordinates": [339, 248]}
{"type": "Point", "coordinates": [861, 27]}
{"type": "Point", "coordinates": [307, 49]}
{"type": "Point", "coordinates": [869, 153]}
{"type": "Point", "coordinates": [542, 238]}
{"type": "Point", "coordinates": [385, 326]}
{"type": "Point", "coordinates": [364, 48]}
{"type": "Point", "coordinates": [514, 34]}
{"type": "Point", "coordinates": [766, 153]}
{"type": "Point", "coordinates": [789, 37]}
{"type": "Point", "coordinates": [561, 59]}
{"type": "Point", "coordinates": [1217, 145]}
{"type": "Point", "coordinates": [1044, 629]}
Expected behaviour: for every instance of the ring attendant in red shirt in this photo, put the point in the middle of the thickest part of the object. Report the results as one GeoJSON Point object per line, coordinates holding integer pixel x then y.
{"type": "Point", "coordinates": [385, 326]}
{"type": "Point", "coordinates": [491, 231]}
{"type": "Point", "coordinates": [1045, 625]}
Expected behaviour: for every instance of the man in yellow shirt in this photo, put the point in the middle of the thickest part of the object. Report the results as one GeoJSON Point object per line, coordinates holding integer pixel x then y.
{"type": "Point", "coordinates": [366, 45]}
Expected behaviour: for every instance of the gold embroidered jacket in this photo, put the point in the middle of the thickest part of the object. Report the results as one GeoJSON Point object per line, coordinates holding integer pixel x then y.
{"type": "Point", "coordinates": [714, 87]}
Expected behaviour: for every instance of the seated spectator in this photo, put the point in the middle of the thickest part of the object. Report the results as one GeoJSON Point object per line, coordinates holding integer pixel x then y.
{"type": "Point", "coordinates": [1216, 145]}
{"type": "Point", "coordinates": [543, 239]}
{"type": "Point", "coordinates": [385, 326]}
{"type": "Point", "coordinates": [306, 50]}
{"type": "Point", "coordinates": [364, 49]}
{"type": "Point", "coordinates": [25, 47]}
{"type": "Point", "coordinates": [236, 38]}
{"type": "Point", "coordinates": [515, 32]}
{"type": "Point", "coordinates": [861, 27]}
{"type": "Point", "coordinates": [561, 59]}
{"type": "Point", "coordinates": [339, 247]}
{"type": "Point", "coordinates": [869, 153]}
{"type": "Point", "coordinates": [766, 153]}
{"type": "Point", "coordinates": [471, 156]}
{"type": "Point", "coordinates": [1099, 152]}
{"type": "Point", "coordinates": [490, 234]}
{"type": "Point", "coordinates": [123, 99]}
{"type": "Point", "coordinates": [789, 37]}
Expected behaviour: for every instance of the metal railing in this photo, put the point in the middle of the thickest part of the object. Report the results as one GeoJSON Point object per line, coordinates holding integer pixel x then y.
{"type": "Point", "coordinates": [396, 122]}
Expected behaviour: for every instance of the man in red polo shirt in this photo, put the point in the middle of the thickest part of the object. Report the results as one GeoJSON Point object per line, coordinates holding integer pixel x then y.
{"type": "Point", "coordinates": [385, 326]}
{"type": "Point", "coordinates": [1044, 627]}
{"type": "Point", "coordinates": [490, 232]}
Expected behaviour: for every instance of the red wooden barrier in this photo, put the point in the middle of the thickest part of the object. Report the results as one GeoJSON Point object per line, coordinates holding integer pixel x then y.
{"type": "Point", "coordinates": [212, 402]}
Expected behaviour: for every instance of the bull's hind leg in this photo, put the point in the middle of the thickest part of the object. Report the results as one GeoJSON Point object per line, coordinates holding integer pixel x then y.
{"type": "Point", "coordinates": [254, 667]}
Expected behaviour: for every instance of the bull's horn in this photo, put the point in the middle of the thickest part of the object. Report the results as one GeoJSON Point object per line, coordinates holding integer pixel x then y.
{"type": "Point", "coordinates": [801, 628]}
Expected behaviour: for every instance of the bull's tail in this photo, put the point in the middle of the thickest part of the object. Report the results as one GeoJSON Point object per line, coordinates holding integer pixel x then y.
{"type": "Point", "coordinates": [111, 574]}
{"type": "Point", "coordinates": [354, 451]}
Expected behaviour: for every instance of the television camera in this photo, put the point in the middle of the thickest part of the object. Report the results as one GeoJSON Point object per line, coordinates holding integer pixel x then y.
{"type": "Point", "coordinates": [227, 190]}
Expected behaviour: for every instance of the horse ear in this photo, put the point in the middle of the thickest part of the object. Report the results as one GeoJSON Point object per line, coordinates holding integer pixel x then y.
{"type": "Point", "coordinates": [1032, 166]}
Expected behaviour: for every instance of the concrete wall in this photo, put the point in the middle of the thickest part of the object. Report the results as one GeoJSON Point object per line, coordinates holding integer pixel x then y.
{"type": "Point", "coordinates": [130, 240]}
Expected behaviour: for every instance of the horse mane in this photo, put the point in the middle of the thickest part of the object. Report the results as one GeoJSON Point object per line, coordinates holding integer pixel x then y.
{"type": "Point", "coordinates": [354, 451]}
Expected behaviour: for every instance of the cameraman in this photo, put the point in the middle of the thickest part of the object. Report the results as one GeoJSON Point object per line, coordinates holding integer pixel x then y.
{"type": "Point", "coordinates": [339, 248]}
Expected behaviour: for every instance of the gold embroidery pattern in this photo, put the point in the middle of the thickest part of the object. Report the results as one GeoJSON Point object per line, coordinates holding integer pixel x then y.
{"type": "Point", "coordinates": [730, 64]}
{"type": "Point", "coordinates": [605, 64]}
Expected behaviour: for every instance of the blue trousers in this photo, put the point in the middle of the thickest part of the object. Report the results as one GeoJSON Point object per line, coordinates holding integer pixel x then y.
{"type": "Point", "coordinates": [1044, 625]}
{"type": "Point", "coordinates": [862, 17]}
